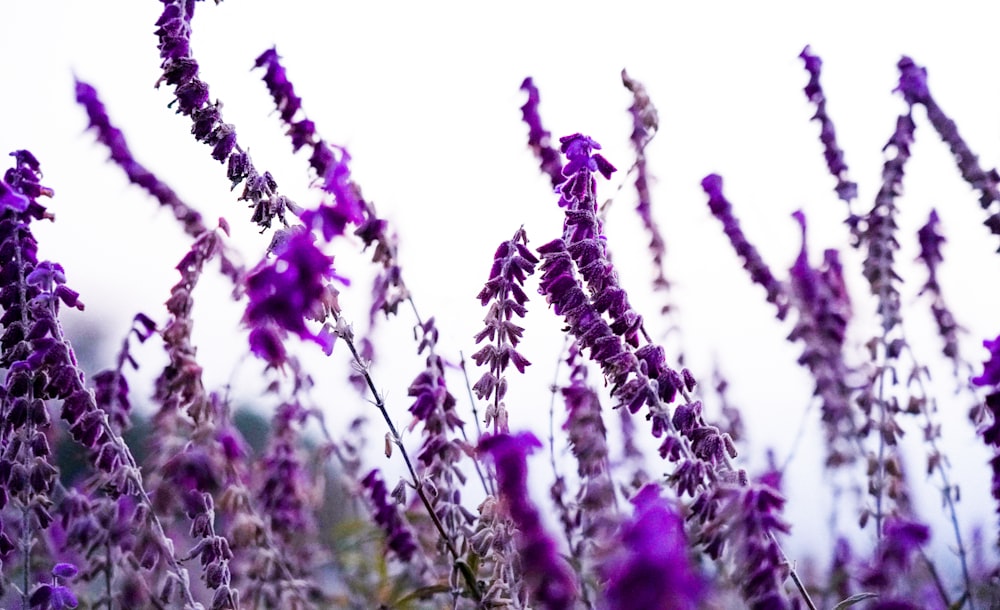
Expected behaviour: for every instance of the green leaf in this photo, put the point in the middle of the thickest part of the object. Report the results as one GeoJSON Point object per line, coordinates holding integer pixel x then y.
{"type": "Point", "coordinates": [854, 599]}
{"type": "Point", "coordinates": [423, 593]}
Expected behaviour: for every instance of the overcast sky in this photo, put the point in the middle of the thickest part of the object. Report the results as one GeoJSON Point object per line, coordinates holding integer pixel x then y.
{"type": "Point", "coordinates": [425, 96]}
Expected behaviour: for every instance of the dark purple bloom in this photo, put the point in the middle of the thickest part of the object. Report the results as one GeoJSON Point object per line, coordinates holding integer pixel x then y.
{"type": "Point", "coordinates": [990, 376]}
{"type": "Point", "coordinates": [746, 518]}
{"type": "Point", "coordinates": [824, 309]}
{"type": "Point", "coordinates": [912, 81]}
{"type": "Point", "coordinates": [931, 240]}
{"type": "Point", "coordinates": [387, 516]}
{"type": "Point", "coordinates": [512, 263]}
{"type": "Point", "coordinates": [114, 139]}
{"type": "Point", "coordinates": [649, 568]}
{"type": "Point", "coordinates": [760, 273]}
{"type": "Point", "coordinates": [913, 86]}
{"type": "Point", "coordinates": [288, 290]}
{"type": "Point", "coordinates": [846, 189]}
{"type": "Point", "coordinates": [550, 582]}
{"type": "Point", "coordinates": [539, 139]}
{"type": "Point", "coordinates": [900, 542]}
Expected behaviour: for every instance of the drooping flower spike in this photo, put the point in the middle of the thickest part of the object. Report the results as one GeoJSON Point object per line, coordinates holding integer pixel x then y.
{"type": "Point", "coordinates": [114, 139]}
{"type": "Point", "coordinates": [191, 96]}
{"type": "Point", "coordinates": [548, 578]}
{"type": "Point", "coordinates": [915, 90]}
{"type": "Point", "coordinates": [834, 155]}
{"type": "Point", "coordinates": [760, 273]}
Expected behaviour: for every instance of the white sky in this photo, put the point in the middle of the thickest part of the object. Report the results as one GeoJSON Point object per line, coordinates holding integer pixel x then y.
{"type": "Point", "coordinates": [425, 96]}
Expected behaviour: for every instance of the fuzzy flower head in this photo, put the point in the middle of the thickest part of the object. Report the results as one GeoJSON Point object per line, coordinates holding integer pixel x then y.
{"type": "Point", "coordinates": [289, 289]}
{"type": "Point", "coordinates": [546, 574]}
{"type": "Point", "coordinates": [578, 149]}
{"type": "Point", "coordinates": [650, 567]}
{"type": "Point", "coordinates": [912, 81]}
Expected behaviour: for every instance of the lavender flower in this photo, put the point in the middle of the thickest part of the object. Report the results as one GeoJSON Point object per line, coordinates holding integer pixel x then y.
{"type": "Point", "coordinates": [746, 519]}
{"type": "Point", "coordinates": [548, 579]}
{"type": "Point", "coordinates": [989, 422]}
{"type": "Point", "coordinates": [913, 86]}
{"type": "Point", "coordinates": [824, 310]}
{"type": "Point", "coordinates": [286, 291]}
{"type": "Point", "coordinates": [930, 255]}
{"type": "Point", "coordinates": [331, 166]}
{"type": "Point", "coordinates": [900, 543]}
{"type": "Point", "coordinates": [991, 368]}
{"type": "Point", "coordinates": [55, 596]}
{"type": "Point", "coordinates": [760, 273]}
{"type": "Point", "coordinates": [539, 139]}
{"type": "Point", "coordinates": [398, 536]}
{"type": "Point", "coordinates": [645, 123]}
{"type": "Point", "coordinates": [114, 139]}
{"type": "Point", "coordinates": [512, 263]}
{"type": "Point", "coordinates": [649, 568]}
{"type": "Point", "coordinates": [846, 189]}
{"type": "Point", "coordinates": [879, 235]}
{"type": "Point", "coordinates": [191, 95]}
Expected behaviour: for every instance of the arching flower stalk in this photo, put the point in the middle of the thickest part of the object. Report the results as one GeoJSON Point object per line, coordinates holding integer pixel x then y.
{"type": "Point", "coordinates": [191, 96]}
{"type": "Point", "coordinates": [645, 123]}
{"type": "Point", "coordinates": [753, 262]}
{"type": "Point", "coordinates": [640, 376]}
{"type": "Point", "coordinates": [913, 85]}
{"type": "Point", "coordinates": [539, 138]}
{"type": "Point", "coordinates": [846, 189]}
{"type": "Point", "coordinates": [114, 139]}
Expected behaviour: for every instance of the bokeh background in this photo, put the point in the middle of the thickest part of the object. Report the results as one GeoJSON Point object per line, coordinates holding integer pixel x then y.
{"type": "Point", "coordinates": [425, 97]}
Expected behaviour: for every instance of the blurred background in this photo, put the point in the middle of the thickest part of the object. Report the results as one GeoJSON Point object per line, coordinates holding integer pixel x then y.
{"type": "Point", "coordinates": [426, 98]}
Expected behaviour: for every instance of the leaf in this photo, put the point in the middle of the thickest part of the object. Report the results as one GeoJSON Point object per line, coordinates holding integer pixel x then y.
{"type": "Point", "coordinates": [854, 599]}
{"type": "Point", "coordinates": [422, 593]}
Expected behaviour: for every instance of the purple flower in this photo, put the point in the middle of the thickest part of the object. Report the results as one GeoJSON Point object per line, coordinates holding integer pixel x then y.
{"type": "Point", "coordinates": [546, 574]}
{"type": "Point", "coordinates": [398, 536]}
{"type": "Point", "coordinates": [913, 86]}
{"type": "Point", "coordinates": [649, 567]}
{"type": "Point", "coordinates": [512, 263]}
{"type": "Point", "coordinates": [745, 518]}
{"type": "Point", "coordinates": [834, 156]}
{"type": "Point", "coordinates": [539, 139]}
{"type": "Point", "coordinates": [912, 81]}
{"type": "Point", "coordinates": [760, 273]}
{"type": "Point", "coordinates": [114, 139]}
{"type": "Point", "coordinates": [901, 541]}
{"type": "Point", "coordinates": [930, 255]}
{"type": "Point", "coordinates": [645, 123]}
{"type": "Point", "coordinates": [990, 376]}
{"type": "Point", "coordinates": [330, 163]}
{"type": "Point", "coordinates": [824, 309]}
{"type": "Point", "coordinates": [289, 289]}
{"type": "Point", "coordinates": [879, 237]}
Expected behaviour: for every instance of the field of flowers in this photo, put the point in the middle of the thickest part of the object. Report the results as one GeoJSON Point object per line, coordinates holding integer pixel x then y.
{"type": "Point", "coordinates": [186, 497]}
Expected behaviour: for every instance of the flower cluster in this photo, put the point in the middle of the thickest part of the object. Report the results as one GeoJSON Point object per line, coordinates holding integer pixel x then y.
{"type": "Point", "coordinates": [539, 138]}
{"type": "Point", "coordinates": [512, 263]}
{"type": "Point", "coordinates": [191, 94]}
{"type": "Point", "coordinates": [759, 272]}
{"type": "Point", "coordinates": [834, 155]}
{"type": "Point", "coordinates": [544, 572]}
{"type": "Point", "coordinates": [649, 569]}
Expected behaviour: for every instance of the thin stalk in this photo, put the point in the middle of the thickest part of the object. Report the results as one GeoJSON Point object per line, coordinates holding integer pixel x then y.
{"type": "Point", "coordinates": [467, 574]}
